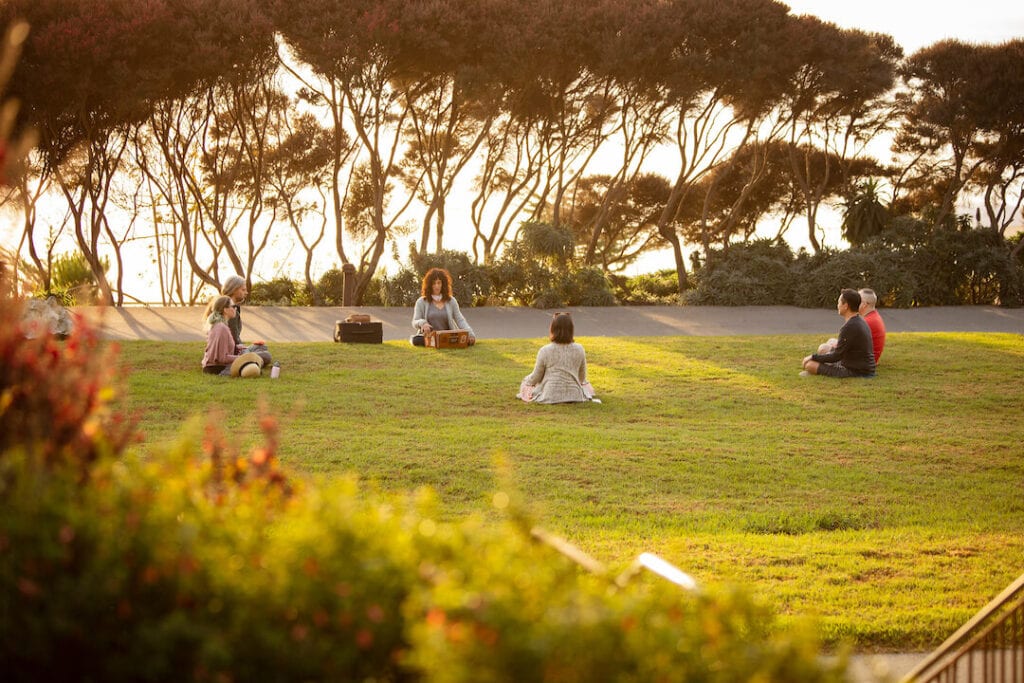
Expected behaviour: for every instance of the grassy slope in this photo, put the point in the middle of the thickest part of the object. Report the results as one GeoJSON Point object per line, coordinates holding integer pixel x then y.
{"type": "Point", "coordinates": [890, 509]}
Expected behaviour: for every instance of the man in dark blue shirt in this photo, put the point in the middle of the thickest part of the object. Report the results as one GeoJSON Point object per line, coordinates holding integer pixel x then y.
{"type": "Point", "coordinates": [854, 354]}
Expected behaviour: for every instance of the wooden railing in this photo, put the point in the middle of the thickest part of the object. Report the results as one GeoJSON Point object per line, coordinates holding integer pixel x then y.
{"type": "Point", "coordinates": [988, 648]}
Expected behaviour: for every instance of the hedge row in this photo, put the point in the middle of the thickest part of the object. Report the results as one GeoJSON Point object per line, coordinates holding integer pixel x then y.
{"type": "Point", "coordinates": [206, 563]}
{"type": "Point", "coordinates": [905, 266]}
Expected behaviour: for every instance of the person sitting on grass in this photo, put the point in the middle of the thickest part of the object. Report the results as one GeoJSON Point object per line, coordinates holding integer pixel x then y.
{"type": "Point", "coordinates": [560, 373]}
{"type": "Point", "coordinates": [221, 349]}
{"type": "Point", "coordinates": [868, 299]}
{"type": "Point", "coordinates": [235, 288]}
{"type": "Point", "coordinates": [853, 355]}
{"type": "Point", "coordinates": [874, 321]}
{"type": "Point", "coordinates": [437, 309]}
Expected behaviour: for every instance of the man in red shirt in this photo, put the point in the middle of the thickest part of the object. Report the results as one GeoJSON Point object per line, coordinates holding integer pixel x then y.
{"type": "Point", "coordinates": [868, 299]}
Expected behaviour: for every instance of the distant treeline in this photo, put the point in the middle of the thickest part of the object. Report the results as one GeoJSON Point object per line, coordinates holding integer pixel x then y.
{"type": "Point", "coordinates": [958, 265]}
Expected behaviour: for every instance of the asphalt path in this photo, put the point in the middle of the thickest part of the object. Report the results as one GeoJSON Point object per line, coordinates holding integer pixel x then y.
{"type": "Point", "coordinates": [277, 324]}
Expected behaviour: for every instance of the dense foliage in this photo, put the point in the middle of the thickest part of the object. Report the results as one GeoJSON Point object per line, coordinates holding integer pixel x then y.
{"type": "Point", "coordinates": [954, 265]}
{"type": "Point", "coordinates": [907, 265]}
{"type": "Point", "coordinates": [539, 270]}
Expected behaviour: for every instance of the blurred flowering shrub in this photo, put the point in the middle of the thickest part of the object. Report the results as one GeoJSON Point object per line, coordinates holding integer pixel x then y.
{"type": "Point", "coordinates": [57, 398]}
{"type": "Point", "coordinates": [497, 607]}
{"type": "Point", "coordinates": [206, 563]}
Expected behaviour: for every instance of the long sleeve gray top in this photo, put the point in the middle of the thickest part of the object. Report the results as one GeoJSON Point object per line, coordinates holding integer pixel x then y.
{"type": "Point", "coordinates": [451, 307]}
{"type": "Point", "coordinates": [559, 374]}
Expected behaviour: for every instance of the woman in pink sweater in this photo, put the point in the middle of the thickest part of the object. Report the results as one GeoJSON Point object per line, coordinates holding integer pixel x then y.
{"type": "Point", "coordinates": [220, 343]}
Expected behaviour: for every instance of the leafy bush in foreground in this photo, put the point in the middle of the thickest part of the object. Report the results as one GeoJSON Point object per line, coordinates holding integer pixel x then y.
{"type": "Point", "coordinates": [205, 563]}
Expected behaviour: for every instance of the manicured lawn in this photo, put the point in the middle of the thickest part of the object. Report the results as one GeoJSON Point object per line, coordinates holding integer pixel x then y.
{"type": "Point", "coordinates": [889, 509]}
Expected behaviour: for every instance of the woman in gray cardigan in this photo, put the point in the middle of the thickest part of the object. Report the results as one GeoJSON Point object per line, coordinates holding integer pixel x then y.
{"type": "Point", "coordinates": [560, 374]}
{"type": "Point", "coordinates": [437, 309]}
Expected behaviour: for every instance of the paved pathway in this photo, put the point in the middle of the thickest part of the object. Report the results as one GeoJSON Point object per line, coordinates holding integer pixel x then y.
{"type": "Point", "coordinates": [304, 324]}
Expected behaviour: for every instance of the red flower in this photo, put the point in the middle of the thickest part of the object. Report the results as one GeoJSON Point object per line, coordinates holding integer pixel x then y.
{"type": "Point", "coordinates": [364, 639]}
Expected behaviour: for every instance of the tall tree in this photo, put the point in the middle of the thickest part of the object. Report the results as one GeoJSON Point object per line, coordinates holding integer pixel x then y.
{"type": "Point", "coordinates": [168, 153]}
{"type": "Point", "coordinates": [963, 113]}
{"type": "Point", "coordinates": [837, 102]}
{"type": "Point", "coordinates": [448, 48]}
{"type": "Point", "coordinates": [724, 74]}
{"type": "Point", "coordinates": [629, 59]}
{"type": "Point", "coordinates": [92, 68]}
{"type": "Point", "coordinates": [357, 46]}
{"type": "Point", "coordinates": [322, 93]}
{"type": "Point", "coordinates": [236, 182]}
{"type": "Point", "coordinates": [1000, 178]}
{"type": "Point", "coordinates": [628, 213]}
{"type": "Point", "coordinates": [559, 114]}
{"type": "Point", "coordinates": [297, 166]}
{"type": "Point", "coordinates": [864, 214]}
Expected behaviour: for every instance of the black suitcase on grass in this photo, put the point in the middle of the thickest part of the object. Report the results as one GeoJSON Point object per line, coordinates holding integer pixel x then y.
{"type": "Point", "coordinates": [359, 333]}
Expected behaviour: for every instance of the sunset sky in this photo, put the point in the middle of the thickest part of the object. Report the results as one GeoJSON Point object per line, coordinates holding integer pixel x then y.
{"type": "Point", "coordinates": [917, 23]}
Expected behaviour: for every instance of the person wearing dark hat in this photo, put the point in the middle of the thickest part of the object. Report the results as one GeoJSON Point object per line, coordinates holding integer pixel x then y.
{"type": "Point", "coordinates": [235, 288]}
{"type": "Point", "coordinates": [854, 354]}
{"type": "Point", "coordinates": [221, 350]}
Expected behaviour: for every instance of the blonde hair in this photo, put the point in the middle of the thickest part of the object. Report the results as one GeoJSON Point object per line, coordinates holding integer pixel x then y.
{"type": "Point", "coordinates": [214, 312]}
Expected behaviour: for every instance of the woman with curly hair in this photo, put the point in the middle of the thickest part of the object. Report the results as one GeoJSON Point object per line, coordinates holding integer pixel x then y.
{"type": "Point", "coordinates": [437, 309]}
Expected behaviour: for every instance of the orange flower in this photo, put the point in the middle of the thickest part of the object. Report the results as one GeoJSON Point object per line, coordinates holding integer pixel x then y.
{"type": "Point", "coordinates": [259, 457]}
{"type": "Point", "coordinates": [436, 618]}
{"type": "Point", "coordinates": [311, 567]}
{"type": "Point", "coordinates": [28, 587]}
{"type": "Point", "coordinates": [150, 574]}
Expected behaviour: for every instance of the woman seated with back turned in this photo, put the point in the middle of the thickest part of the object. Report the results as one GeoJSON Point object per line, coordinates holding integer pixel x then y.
{"type": "Point", "coordinates": [560, 374]}
{"type": "Point", "coordinates": [220, 343]}
{"type": "Point", "coordinates": [437, 309]}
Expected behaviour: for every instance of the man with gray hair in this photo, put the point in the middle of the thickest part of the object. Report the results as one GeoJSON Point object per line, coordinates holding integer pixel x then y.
{"type": "Point", "coordinates": [236, 288]}
{"type": "Point", "coordinates": [868, 299]}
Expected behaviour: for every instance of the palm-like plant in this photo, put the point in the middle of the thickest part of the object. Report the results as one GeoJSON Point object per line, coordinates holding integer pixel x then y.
{"type": "Point", "coordinates": [864, 214]}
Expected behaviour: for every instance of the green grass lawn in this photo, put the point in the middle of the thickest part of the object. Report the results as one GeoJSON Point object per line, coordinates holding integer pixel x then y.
{"type": "Point", "coordinates": [888, 509]}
